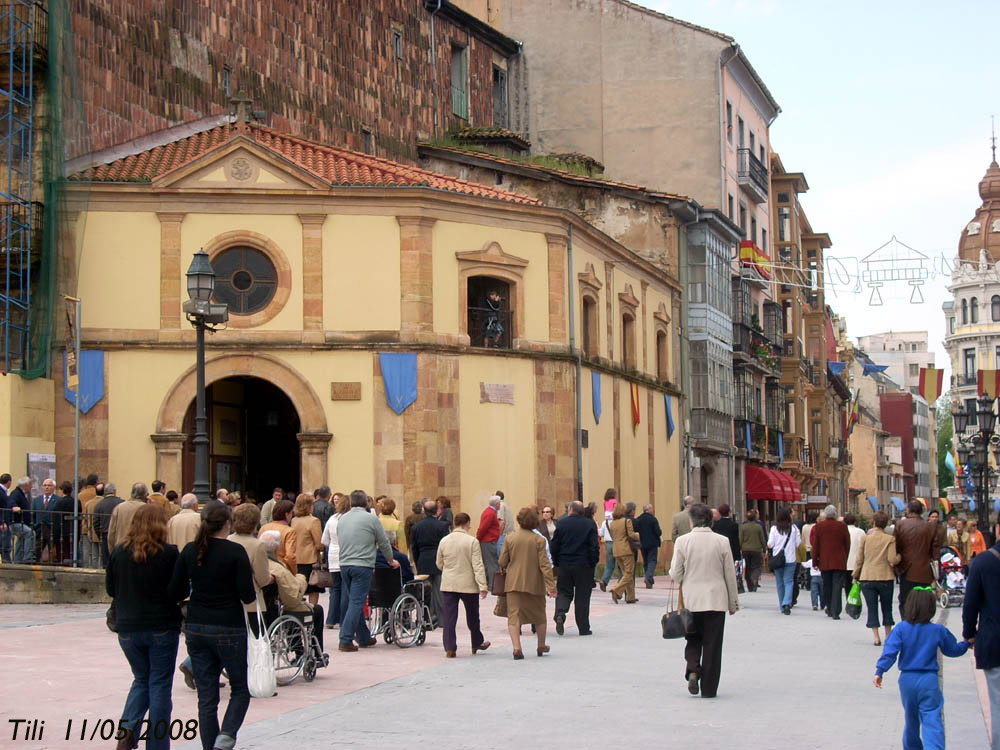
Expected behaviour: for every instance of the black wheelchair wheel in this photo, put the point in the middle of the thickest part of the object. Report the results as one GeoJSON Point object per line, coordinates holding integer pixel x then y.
{"type": "Point", "coordinates": [406, 621]}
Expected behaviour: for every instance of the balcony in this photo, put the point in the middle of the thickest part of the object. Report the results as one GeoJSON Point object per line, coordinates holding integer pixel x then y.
{"type": "Point", "coordinates": [758, 439]}
{"type": "Point", "coordinates": [752, 348]}
{"type": "Point", "coordinates": [962, 381]}
{"type": "Point", "coordinates": [751, 175]}
{"type": "Point", "coordinates": [711, 428]}
{"type": "Point", "coordinates": [773, 436]}
{"type": "Point", "coordinates": [489, 328]}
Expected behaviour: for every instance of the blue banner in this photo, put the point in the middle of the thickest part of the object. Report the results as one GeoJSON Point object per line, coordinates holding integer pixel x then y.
{"type": "Point", "coordinates": [972, 504]}
{"type": "Point", "coordinates": [898, 502]}
{"type": "Point", "coordinates": [873, 501]}
{"type": "Point", "coordinates": [868, 369]}
{"type": "Point", "coordinates": [595, 392]}
{"type": "Point", "coordinates": [781, 449]}
{"type": "Point", "coordinates": [399, 373]}
{"type": "Point", "coordinates": [747, 426]}
{"type": "Point", "coordinates": [836, 367]}
{"type": "Point", "coordinates": [91, 373]}
{"type": "Point", "coordinates": [670, 416]}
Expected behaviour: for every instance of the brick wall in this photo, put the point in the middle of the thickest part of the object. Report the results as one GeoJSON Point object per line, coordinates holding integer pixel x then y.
{"type": "Point", "coordinates": [321, 70]}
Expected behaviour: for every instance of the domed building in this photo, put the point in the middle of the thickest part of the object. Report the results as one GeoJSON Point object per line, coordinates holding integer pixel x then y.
{"type": "Point", "coordinates": [972, 316]}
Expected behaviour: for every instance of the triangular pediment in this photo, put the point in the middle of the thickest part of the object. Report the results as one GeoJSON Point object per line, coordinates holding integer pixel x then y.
{"type": "Point", "coordinates": [240, 164]}
{"type": "Point", "coordinates": [491, 253]}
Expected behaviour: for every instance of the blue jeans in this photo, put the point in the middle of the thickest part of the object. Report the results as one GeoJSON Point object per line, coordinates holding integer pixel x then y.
{"type": "Point", "coordinates": [609, 562]}
{"type": "Point", "coordinates": [785, 578]}
{"type": "Point", "coordinates": [5, 544]}
{"type": "Point", "coordinates": [356, 581]}
{"type": "Point", "coordinates": [333, 612]}
{"type": "Point", "coordinates": [151, 655]}
{"type": "Point", "coordinates": [922, 705]}
{"type": "Point", "coordinates": [816, 589]}
{"type": "Point", "coordinates": [211, 648]}
{"type": "Point", "coordinates": [24, 543]}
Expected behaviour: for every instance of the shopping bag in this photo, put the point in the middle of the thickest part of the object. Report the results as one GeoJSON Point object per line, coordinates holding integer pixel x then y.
{"type": "Point", "coordinates": [676, 622]}
{"type": "Point", "coordinates": [261, 679]}
{"type": "Point", "coordinates": [853, 608]}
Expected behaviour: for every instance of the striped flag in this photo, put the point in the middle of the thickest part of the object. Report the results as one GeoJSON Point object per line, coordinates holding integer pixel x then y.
{"type": "Point", "coordinates": [988, 382]}
{"type": "Point", "coordinates": [853, 418]}
{"type": "Point", "coordinates": [635, 405]}
{"type": "Point", "coordinates": [931, 381]}
{"type": "Point", "coordinates": [945, 505]}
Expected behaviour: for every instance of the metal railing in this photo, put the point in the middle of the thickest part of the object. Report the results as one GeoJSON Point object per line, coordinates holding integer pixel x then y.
{"type": "Point", "coordinates": [45, 537]}
{"type": "Point", "coordinates": [489, 328]}
{"type": "Point", "coordinates": [711, 426]}
{"type": "Point", "coordinates": [750, 167]}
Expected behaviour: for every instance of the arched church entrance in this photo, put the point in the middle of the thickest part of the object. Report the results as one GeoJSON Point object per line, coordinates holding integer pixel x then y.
{"type": "Point", "coordinates": [253, 441]}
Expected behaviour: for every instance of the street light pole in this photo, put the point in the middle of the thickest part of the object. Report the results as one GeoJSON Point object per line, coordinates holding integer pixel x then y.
{"type": "Point", "coordinates": [204, 315]}
{"type": "Point", "coordinates": [975, 449]}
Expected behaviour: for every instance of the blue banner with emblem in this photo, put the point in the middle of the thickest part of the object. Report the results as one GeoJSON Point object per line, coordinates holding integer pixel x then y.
{"type": "Point", "coordinates": [91, 379]}
{"type": "Point", "coordinates": [399, 374]}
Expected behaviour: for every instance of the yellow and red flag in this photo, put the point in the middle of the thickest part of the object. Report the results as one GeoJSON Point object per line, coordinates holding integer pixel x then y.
{"type": "Point", "coordinates": [988, 382]}
{"type": "Point", "coordinates": [852, 419]}
{"type": "Point", "coordinates": [931, 381]}
{"type": "Point", "coordinates": [635, 405]}
{"type": "Point", "coordinates": [945, 505]}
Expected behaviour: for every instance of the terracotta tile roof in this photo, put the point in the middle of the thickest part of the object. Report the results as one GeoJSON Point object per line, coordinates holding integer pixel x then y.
{"type": "Point", "coordinates": [492, 134]}
{"type": "Point", "coordinates": [333, 165]}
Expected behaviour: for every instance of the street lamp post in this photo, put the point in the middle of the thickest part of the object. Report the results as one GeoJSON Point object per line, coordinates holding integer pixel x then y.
{"type": "Point", "coordinates": [973, 451]}
{"type": "Point", "coordinates": [204, 315]}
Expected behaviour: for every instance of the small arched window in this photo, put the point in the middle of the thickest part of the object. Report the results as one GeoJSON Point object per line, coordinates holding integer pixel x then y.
{"type": "Point", "coordinates": [965, 312]}
{"type": "Point", "coordinates": [661, 355]}
{"type": "Point", "coordinates": [974, 310]}
{"type": "Point", "coordinates": [490, 322]}
{"type": "Point", "coordinates": [590, 331]}
{"type": "Point", "coordinates": [628, 341]}
{"type": "Point", "coordinates": [995, 308]}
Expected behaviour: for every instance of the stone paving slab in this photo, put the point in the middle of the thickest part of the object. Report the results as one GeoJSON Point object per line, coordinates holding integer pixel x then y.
{"type": "Point", "coordinates": [622, 682]}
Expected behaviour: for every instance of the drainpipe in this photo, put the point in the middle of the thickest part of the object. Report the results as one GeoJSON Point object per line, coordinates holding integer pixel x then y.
{"type": "Point", "coordinates": [579, 370]}
{"type": "Point", "coordinates": [432, 54]}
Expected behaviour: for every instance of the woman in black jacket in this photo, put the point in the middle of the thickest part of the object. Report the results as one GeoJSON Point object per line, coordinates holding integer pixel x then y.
{"type": "Point", "coordinates": [148, 623]}
{"type": "Point", "coordinates": [218, 575]}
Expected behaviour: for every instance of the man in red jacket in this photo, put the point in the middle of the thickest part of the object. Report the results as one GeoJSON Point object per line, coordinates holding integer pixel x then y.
{"type": "Point", "coordinates": [488, 533]}
{"type": "Point", "coordinates": [831, 543]}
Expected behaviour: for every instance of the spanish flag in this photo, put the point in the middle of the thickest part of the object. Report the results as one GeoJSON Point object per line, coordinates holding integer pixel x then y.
{"type": "Point", "coordinates": [854, 416]}
{"type": "Point", "coordinates": [945, 505]}
{"type": "Point", "coordinates": [931, 381]}
{"type": "Point", "coordinates": [922, 501]}
{"type": "Point", "coordinates": [989, 383]}
{"type": "Point", "coordinates": [635, 405]}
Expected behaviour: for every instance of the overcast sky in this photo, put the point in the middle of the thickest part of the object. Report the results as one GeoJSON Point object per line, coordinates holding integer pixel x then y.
{"type": "Point", "coordinates": [886, 109]}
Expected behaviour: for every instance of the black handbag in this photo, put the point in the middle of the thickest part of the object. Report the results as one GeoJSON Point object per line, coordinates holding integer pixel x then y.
{"type": "Point", "coordinates": [778, 559]}
{"type": "Point", "coordinates": [111, 618]}
{"type": "Point", "coordinates": [677, 623]}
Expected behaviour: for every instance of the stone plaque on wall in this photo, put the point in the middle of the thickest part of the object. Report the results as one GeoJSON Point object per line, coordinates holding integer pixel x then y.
{"type": "Point", "coordinates": [345, 391]}
{"type": "Point", "coordinates": [496, 393]}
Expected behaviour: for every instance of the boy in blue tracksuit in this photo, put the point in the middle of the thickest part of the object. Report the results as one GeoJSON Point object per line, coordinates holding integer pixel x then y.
{"type": "Point", "coordinates": [916, 641]}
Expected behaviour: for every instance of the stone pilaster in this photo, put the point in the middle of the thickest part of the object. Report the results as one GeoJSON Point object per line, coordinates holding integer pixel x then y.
{"type": "Point", "coordinates": [314, 448]}
{"type": "Point", "coordinates": [170, 458]}
{"type": "Point", "coordinates": [555, 440]}
{"type": "Point", "coordinates": [416, 278]}
{"type": "Point", "coordinates": [651, 434]}
{"type": "Point", "coordinates": [557, 245]}
{"type": "Point", "coordinates": [312, 272]}
{"type": "Point", "coordinates": [170, 269]}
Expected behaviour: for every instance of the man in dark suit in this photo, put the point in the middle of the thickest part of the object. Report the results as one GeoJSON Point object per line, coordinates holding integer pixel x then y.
{"type": "Point", "coordinates": [41, 516]}
{"type": "Point", "coordinates": [19, 503]}
{"type": "Point", "coordinates": [5, 480]}
{"type": "Point", "coordinates": [575, 551]}
{"type": "Point", "coordinates": [650, 537]}
{"type": "Point", "coordinates": [427, 535]}
{"type": "Point", "coordinates": [102, 518]}
{"type": "Point", "coordinates": [981, 621]}
{"type": "Point", "coordinates": [731, 530]}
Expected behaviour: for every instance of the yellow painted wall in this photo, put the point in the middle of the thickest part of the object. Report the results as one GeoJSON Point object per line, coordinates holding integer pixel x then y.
{"type": "Point", "coordinates": [119, 270]}
{"type": "Point", "coordinates": [451, 237]}
{"type": "Point", "coordinates": [634, 448]}
{"type": "Point", "coordinates": [498, 440]}
{"type": "Point", "coordinates": [285, 231]}
{"type": "Point", "coordinates": [361, 273]}
{"type": "Point", "coordinates": [598, 457]}
{"type": "Point", "coordinates": [667, 462]}
{"type": "Point", "coordinates": [27, 421]}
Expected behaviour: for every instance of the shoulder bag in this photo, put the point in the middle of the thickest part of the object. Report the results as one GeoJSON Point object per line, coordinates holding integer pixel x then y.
{"type": "Point", "coordinates": [778, 558]}
{"type": "Point", "coordinates": [261, 679]}
{"type": "Point", "coordinates": [676, 623]}
{"type": "Point", "coordinates": [499, 583]}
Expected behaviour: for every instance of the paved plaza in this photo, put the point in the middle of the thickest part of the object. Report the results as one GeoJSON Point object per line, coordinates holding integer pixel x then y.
{"type": "Point", "coordinates": [799, 681]}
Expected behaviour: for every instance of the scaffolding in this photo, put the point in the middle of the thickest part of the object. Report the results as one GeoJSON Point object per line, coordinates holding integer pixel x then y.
{"type": "Point", "coordinates": [23, 38]}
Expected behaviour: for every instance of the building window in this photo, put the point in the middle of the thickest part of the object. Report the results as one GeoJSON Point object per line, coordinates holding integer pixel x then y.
{"type": "Point", "coordinates": [763, 240]}
{"type": "Point", "coordinates": [965, 312]}
{"type": "Point", "coordinates": [970, 409]}
{"type": "Point", "coordinates": [743, 218]}
{"type": "Point", "coordinates": [366, 140]}
{"type": "Point", "coordinates": [628, 341]}
{"type": "Point", "coordinates": [996, 358]}
{"type": "Point", "coordinates": [662, 363]}
{"type": "Point", "coordinates": [730, 207]}
{"type": "Point", "coordinates": [739, 128]}
{"type": "Point", "coordinates": [227, 81]}
{"type": "Point", "coordinates": [973, 310]}
{"type": "Point", "coordinates": [245, 279]}
{"type": "Point", "coordinates": [490, 318]}
{"type": "Point", "coordinates": [914, 371]}
{"type": "Point", "coordinates": [763, 154]}
{"type": "Point", "coordinates": [729, 126]}
{"type": "Point", "coordinates": [753, 229]}
{"type": "Point", "coordinates": [782, 197]}
{"type": "Point", "coordinates": [951, 324]}
{"type": "Point", "coordinates": [397, 44]}
{"type": "Point", "coordinates": [753, 142]}
{"type": "Point", "coordinates": [995, 308]}
{"type": "Point", "coordinates": [459, 82]}
{"type": "Point", "coordinates": [499, 97]}
{"type": "Point", "coordinates": [591, 337]}
{"type": "Point", "coordinates": [784, 220]}
{"type": "Point", "coordinates": [969, 363]}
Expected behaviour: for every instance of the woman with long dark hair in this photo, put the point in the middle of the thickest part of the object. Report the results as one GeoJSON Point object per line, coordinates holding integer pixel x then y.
{"type": "Point", "coordinates": [218, 575]}
{"type": "Point", "coordinates": [148, 623]}
{"type": "Point", "coordinates": [783, 540]}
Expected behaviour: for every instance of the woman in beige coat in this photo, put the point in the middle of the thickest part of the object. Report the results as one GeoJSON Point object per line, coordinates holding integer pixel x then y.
{"type": "Point", "coordinates": [308, 540]}
{"type": "Point", "coordinates": [621, 531]}
{"type": "Point", "coordinates": [529, 578]}
{"type": "Point", "coordinates": [463, 579]}
{"type": "Point", "coordinates": [873, 567]}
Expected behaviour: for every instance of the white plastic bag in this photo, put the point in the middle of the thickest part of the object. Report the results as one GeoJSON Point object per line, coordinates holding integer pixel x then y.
{"type": "Point", "coordinates": [260, 663]}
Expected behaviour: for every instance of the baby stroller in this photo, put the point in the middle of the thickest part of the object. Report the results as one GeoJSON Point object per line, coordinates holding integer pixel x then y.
{"type": "Point", "coordinates": [951, 579]}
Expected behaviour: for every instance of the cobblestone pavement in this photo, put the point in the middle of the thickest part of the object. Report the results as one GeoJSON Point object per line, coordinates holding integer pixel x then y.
{"type": "Point", "coordinates": [799, 681]}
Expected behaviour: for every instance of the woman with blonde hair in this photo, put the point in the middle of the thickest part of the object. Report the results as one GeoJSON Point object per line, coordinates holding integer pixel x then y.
{"type": "Point", "coordinates": [148, 623]}
{"type": "Point", "coordinates": [281, 521]}
{"type": "Point", "coordinates": [528, 578]}
{"type": "Point", "coordinates": [308, 544]}
{"type": "Point", "coordinates": [622, 534]}
{"type": "Point", "coordinates": [387, 516]}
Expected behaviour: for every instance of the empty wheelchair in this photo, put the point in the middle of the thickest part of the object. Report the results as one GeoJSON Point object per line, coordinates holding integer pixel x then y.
{"type": "Point", "coordinates": [294, 644]}
{"type": "Point", "coordinates": [399, 612]}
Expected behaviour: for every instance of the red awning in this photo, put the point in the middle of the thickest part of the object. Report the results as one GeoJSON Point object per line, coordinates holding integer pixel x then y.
{"type": "Point", "coordinates": [786, 485]}
{"type": "Point", "coordinates": [763, 484]}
